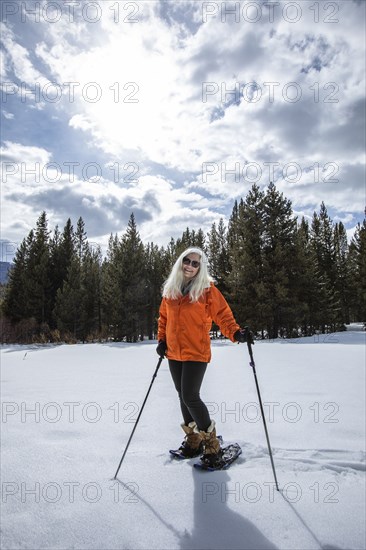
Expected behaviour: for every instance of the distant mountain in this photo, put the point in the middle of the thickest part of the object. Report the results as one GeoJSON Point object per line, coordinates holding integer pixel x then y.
{"type": "Point", "coordinates": [4, 270]}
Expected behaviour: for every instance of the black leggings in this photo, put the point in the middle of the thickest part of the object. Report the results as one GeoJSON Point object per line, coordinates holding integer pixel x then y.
{"type": "Point", "coordinates": [187, 377]}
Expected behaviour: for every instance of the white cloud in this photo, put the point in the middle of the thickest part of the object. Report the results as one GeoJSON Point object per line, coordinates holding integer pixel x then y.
{"type": "Point", "coordinates": [3, 65]}
{"type": "Point", "coordinates": [18, 57]}
{"type": "Point", "coordinates": [7, 115]}
{"type": "Point", "coordinates": [80, 122]}
{"type": "Point", "coordinates": [30, 187]}
{"type": "Point", "coordinates": [150, 111]}
{"type": "Point", "coordinates": [17, 152]}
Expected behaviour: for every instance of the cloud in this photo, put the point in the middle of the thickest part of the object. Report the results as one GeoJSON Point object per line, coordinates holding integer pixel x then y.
{"type": "Point", "coordinates": [104, 205]}
{"type": "Point", "coordinates": [103, 216]}
{"type": "Point", "coordinates": [8, 115]}
{"type": "Point", "coordinates": [17, 58]}
{"type": "Point", "coordinates": [17, 152]}
{"type": "Point", "coordinates": [137, 98]}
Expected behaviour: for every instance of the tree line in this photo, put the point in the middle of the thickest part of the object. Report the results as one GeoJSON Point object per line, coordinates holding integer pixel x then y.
{"type": "Point", "coordinates": [282, 277]}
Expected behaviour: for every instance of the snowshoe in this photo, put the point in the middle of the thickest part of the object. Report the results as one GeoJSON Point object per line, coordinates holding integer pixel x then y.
{"type": "Point", "coordinates": [221, 460]}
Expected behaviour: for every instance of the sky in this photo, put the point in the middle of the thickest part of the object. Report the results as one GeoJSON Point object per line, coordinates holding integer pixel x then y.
{"type": "Point", "coordinates": [172, 110]}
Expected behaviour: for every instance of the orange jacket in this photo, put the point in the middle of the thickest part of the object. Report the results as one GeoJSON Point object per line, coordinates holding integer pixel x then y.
{"type": "Point", "coordinates": [185, 325]}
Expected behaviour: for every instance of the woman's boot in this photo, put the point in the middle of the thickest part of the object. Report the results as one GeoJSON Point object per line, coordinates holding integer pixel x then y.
{"type": "Point", "coordinates": [211, 445]}
{"type": "Point", "coordinates": [192, 445]}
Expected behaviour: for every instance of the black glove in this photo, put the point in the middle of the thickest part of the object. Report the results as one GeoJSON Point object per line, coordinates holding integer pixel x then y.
{"type": "Point", "coordinates": [161, 348]}
{"type": "Point", "coordinates": [243, 335]}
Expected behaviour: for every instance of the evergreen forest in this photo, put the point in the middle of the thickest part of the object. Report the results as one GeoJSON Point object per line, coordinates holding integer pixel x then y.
{"type": "Point", "coordinates": [283, 277]}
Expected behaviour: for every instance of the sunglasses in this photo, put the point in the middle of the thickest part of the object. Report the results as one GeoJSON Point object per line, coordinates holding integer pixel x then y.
{"type": "Point", "coordinates": [193, 263]}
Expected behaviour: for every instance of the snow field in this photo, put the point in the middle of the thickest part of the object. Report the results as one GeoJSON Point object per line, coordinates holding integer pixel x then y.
{"type": "Point", "coordinates": [68, 411]}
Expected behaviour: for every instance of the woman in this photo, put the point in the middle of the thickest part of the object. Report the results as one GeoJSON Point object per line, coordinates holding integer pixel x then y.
{"type": "Point", "coordinates": [190, 303]}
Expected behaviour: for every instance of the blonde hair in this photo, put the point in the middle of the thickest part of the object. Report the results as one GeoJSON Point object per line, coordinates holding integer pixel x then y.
{"type": "Point", "coordinates": [173, 285]}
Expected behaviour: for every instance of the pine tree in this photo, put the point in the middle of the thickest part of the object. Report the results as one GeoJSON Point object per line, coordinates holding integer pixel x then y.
{"type": "Point", "coordinates": [357, 269]}
{"type": "Point", "coordinates": [66, 248]}
{"type": "Point", "coordinates": [38, 284]}
{"type": "Point", "coordinates": [68, 302]}
{"type": "Point", "coordinates": [342, 282]}
{"type": "Point", "coordinates": [322, 239]}
{"type": "Point", "coordinates": [218, 256]}
{"type": "Point", "coordinates": [236, 280]}
{"type": "Point", "coordinates": [133, 283]}
{"type": "Point", "coordinates": [170, 256]}
{"type": "Point", "coordinates": [111, 287]}
{"type": "Point", "coordinates": [55, 267]}
{"type": "Point", "coordinates": [245, 242]}
{"type": "Point", "coordinates": [78, 302]}
{"type": "Point", "coordinates": [233, 226]}
{"type": "Point", "coordinates": [81, 242]}
{"type": "Point", "coordinates": [124, 285]}
{"type": "Point", "coordinates": [278, 253]}
{"type": "Point", "coordinates": [189, 238]}
{"type": "Point", "coordinates": [322, 291]}
{"type": "Point", "coordinates": [305, 288]}
{"type": "Point", "coordinates": [155, 276]}
{"type": "Point", "coordinates": [199, 240]}
{"type": "Point", "coordinates": [62, 251]}
{"type": "Point", "coordinates": [15, 300]}
{"type": "Point", "coordinates": [90, 283]}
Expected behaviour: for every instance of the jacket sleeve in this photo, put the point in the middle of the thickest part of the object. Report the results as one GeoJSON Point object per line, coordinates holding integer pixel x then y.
{"type": "Point", "coordinates": [162, 321]}
{"type": "Point", "coordinates": [222, 314]}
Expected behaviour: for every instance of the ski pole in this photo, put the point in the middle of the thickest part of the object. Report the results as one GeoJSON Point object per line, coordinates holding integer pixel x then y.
{"type": "Point", "coordinates": [252, 364]}
{"type": "Point", "coordinates": [138, 418]}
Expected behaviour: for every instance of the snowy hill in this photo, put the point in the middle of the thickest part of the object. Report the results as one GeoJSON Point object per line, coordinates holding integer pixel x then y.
{"type": "Point", "coordinates": [67, 413]}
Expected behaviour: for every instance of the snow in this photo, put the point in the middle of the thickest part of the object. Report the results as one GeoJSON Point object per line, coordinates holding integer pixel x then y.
{"type": "Point", "coordinates": [68, 411]}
